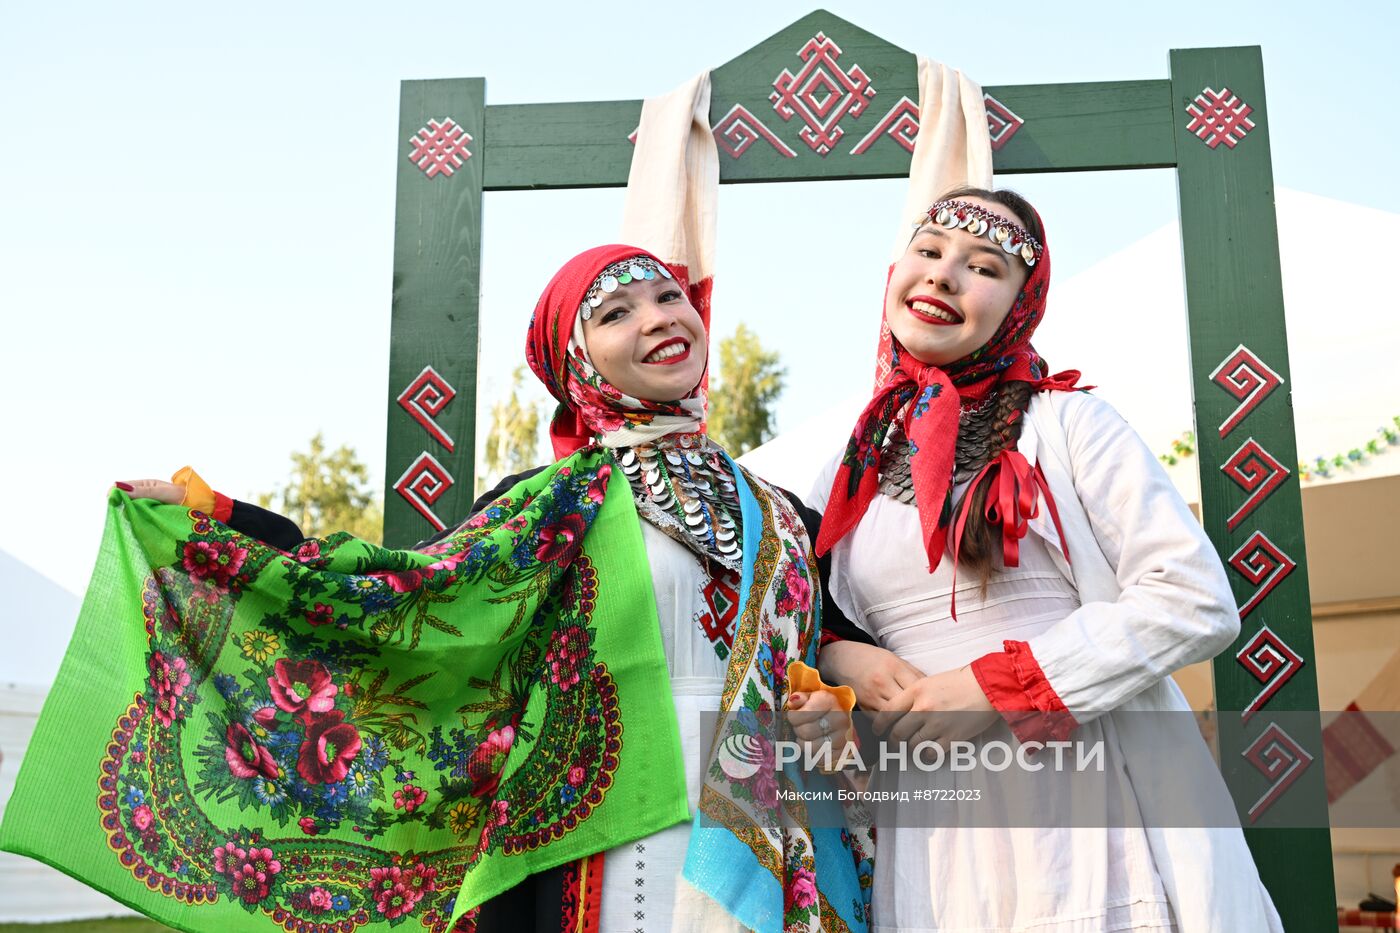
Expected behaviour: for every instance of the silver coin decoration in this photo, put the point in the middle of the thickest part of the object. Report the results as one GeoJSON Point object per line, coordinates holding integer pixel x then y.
{"type": "Point", "coordinates": [980, 222]}
{"type": "Point", "coordinates": [684, 488]}
{"type": "Point", "coordinates": [616, 275]}
{"type": "Point", "coordinates": [974, 448]}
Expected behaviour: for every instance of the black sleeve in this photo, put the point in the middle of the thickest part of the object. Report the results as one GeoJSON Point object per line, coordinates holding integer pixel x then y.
{"type": "Point", "coordinates": [834, 621]}
{"type": "Point", "coordinates": [282, 533]}
{"type": "Point", "coordinates": [265, 525]}
{"type": "Point", "coordinates": [485, 499]}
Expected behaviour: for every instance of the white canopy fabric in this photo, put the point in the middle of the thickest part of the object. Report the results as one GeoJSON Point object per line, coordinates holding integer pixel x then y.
{"type": "Point", "coordinates": [1123, 324]}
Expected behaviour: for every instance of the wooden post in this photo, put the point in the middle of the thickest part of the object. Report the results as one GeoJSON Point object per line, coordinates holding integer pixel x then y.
{"type": "Point", "coordinates": [433, 341]}
{"type": "Point", "coordinates": [1250, 499]}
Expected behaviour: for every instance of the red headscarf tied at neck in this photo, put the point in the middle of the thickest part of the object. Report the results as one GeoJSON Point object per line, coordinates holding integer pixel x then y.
{"type": "Point", "coordinates": [590, 409]}
{"type": "Point", "coordinates": [927, 399]}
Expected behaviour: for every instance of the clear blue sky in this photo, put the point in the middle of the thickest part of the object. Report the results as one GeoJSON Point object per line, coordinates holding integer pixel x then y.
{"type": "Point", "coordinates": [196, 204]}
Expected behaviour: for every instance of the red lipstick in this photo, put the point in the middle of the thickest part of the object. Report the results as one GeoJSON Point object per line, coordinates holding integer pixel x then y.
{"type": "Point", "coordinates": [678, 358]}
{"type": "Point", "coordinates": [929, 318]}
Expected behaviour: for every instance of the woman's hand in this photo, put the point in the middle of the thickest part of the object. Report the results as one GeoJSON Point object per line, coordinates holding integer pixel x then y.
{"type": "Point", "coordinates": [940, 708]}
{"type": "Point", "coordinates": [157, 489]}
{"type": "Point", "coordinates": [877, 675]}
{"type": "Point", "coordinates": [817, 720]}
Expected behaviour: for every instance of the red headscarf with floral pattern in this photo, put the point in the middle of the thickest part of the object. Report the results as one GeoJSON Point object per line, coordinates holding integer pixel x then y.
{"type": "Point", "coordinates": [928, 398]}
{"type": "Point", "coordinates": [590, 409]}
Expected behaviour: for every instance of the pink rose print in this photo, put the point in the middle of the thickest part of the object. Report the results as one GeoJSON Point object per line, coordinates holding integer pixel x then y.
{"type": "Point", "coordinates": [568, 647]}
{"type": "Point", "coordinates": [598, 488]}
{"type": "Point", "coordinates": [250, 872]}
{"type": "Point", "coordinates": [302, 687]}
{"type": "Point", "coordinates": [142, 818]}
{"type": "Point", "coordinates": [802, 889]}
{"type": "Point", "coordinates": [562, 541]}
{"type": "Point", "coordinates": [330, 746]}
{"type": "Point", "coordinates": [318, 900]}
{"type": "Point", "coordinates": [169, 678]}
{"type": "Point", "coordinates": [320, 614]}
{"type": "Point", "coordinates": [396, 891]}
{"type": "Point", "coordinates": [410, 798]}
{"type": "Point", "coordinates": [486, 763]}
{"type": "Point", "coordinates": [215, 561]}
{"type": "Point", "coordinates": [245, 757]}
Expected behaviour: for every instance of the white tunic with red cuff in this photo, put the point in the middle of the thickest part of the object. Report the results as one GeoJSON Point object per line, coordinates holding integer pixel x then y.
{"type": "Point", "coordinates": [1061, 647]}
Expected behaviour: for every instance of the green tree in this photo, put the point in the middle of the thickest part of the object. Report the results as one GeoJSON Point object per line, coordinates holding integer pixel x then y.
{"type": "Point", "coordinates": [329, 491]}
{"type": "Point", "coordinates": [512, 444]}
{"type": "Point", "coordinates": [748, 385]}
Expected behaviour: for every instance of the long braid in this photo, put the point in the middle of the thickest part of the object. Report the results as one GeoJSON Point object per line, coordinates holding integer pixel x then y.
{"type": "Point", "coordinates": [981, 542]}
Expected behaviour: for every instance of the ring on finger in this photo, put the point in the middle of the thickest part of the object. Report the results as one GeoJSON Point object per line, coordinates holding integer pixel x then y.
{"type": "Point", "coordinates": [825, 725]}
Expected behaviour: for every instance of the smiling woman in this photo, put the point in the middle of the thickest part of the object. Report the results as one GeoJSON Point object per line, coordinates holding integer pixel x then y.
{"type": "Point", "coordinates": [952, 288]}
{"type": "Point", "coordinates": [659, 580]}
{"type": "Point", "coordinates": [1091, 583]}
{"type": "Point", "coordinates": [645, 337]}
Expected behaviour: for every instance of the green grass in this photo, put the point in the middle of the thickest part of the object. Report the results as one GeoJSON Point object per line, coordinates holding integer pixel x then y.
{"type": "Point", "coordinates": [111, 925]}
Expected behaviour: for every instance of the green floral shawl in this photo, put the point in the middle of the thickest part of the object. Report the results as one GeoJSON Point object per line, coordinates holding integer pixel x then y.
{"type": "Point", "coordinates": [343, 736]}
{"type": "Point", "coordinates": [241, 738]}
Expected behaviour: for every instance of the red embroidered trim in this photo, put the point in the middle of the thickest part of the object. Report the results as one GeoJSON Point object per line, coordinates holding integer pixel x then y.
{"type": "Point", "coordinates": [570, 900]}
{"type": "Point", "coordinates": [591, 897]}
{"type": "Point", "coordinates": [717, 620]}
{"type": "Point", "coordinates": [1016, 686]}
{"type": "Point", "coordinates": [223, 508]}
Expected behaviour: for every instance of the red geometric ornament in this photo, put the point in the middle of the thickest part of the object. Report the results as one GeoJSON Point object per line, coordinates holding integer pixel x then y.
{"type": "Point", "coordinates": [423, 484]}
{"type": "Point", "coordinates": [1002, 123]}
{"type": "Point", "coordinates": [440, 147]}
{"type": "Point", "coordinates": [424, 399]}
{"type": "Point", "coordinates": [1257, 472]}
{"type": "Point", "coordinates": [901, 124]}
{"type": "Point", "coordinates": [1263, 564]}
{"type": "Point", "coordinates": [1279, 757]}
{"type": "Point", "coordinates": [1219, 117]}
{"type": "Point", "coordinates": [821, 94]}
{"type": "Point", "coordinates": [1273, 664]}
{"type": "Point", "coordinates": [1248, 379]}
{"type": "Point", "coordinates": [738, 129]}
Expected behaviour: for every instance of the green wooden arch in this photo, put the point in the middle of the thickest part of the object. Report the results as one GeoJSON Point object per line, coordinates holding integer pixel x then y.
{"type": "Point", "coordinates": [1207, 120]}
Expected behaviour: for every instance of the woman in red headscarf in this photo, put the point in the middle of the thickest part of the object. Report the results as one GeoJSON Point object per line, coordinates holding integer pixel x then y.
{"type": "Point", "coordinates": [1030, 575]}
{"type": "Point", "coordinates": [725, 563]}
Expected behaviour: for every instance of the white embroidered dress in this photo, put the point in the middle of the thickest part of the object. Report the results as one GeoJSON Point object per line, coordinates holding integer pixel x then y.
{"type": "Point", "coordinates": [642, 885]}
{"type": "Point", "coordinates": [1145, 596]}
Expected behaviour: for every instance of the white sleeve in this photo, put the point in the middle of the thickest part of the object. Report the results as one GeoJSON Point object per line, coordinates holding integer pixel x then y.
{"type": "Point", "coordinates": [1175, 608]}
{"type": "Point", "coordinates": [836, 580]}
{"type": "Point", "coordinates": [821, 487]}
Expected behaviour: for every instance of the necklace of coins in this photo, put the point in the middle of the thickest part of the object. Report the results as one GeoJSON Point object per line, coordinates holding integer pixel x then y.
{"type": "Point", "coordinates": [685, 489]}
{"type": "Point", "coordinates": [973, 450]}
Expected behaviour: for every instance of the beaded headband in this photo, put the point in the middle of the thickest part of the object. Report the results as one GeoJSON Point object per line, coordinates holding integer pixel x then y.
{"type": "Point", "coordinates": [979, 221]}
{"type": "Point", "coordinates": [636, 269]}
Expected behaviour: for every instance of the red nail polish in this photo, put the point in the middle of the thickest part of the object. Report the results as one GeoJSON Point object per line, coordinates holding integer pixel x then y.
{"type": "Point", "coordinates": [125, 487]}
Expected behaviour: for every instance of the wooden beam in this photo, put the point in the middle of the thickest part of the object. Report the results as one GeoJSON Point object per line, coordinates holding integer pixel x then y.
{"type": "Point", "coordinates": [1247, 453]}
{"type": "Point", "coordinates": [1356, 607]}
{"type": "Point", "coordinates": [1096, 126]}
{"type": "Point", "coordinates": [431, 445]}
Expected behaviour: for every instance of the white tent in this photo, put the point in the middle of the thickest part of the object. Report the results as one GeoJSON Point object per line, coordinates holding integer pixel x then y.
{"type": "Point", "coordinates": [38, 619]}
